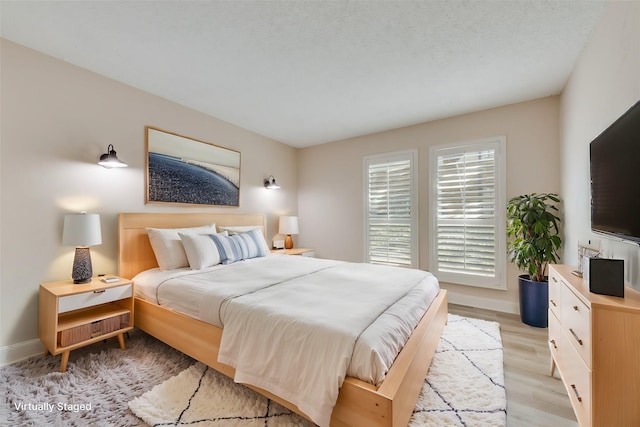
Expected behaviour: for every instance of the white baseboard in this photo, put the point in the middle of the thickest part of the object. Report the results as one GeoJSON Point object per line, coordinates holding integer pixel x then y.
{"type": "Point", "coordinates": [16, 352]}
{"type": "Point", "coordinates": [486, 303]}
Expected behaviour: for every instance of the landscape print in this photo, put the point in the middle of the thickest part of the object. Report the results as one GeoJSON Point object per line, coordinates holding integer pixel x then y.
{"type": "Point", "coordinates": [185, 170]}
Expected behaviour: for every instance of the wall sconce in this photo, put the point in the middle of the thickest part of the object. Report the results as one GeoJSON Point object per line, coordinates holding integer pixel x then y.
{"type": "Point", "coordinates": [82, 230]}
{"type": "Point", "coordinates": [270, 183]}
{"type": "Point", "coordinates": [110, 160]}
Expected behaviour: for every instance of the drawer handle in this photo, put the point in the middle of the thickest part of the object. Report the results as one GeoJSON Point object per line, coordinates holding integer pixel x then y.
{"type": "Point", "coordinates": [554, 279]}
{"type": "Point", "coordinates": [554, 343]}
{"type": "Point", "coordinates": [575, 336]}
{"type": "Point", "coordinates": [575, 307]}
{"type": "Point", "coordinates": [575, 390]}
{"type": "Point", "coordinates": [100, 291]}
{"type": "Point", "coordinates": [553, 302]}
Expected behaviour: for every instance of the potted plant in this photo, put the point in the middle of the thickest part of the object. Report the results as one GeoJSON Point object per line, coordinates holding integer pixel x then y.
{"type": "Point", "coordinates": [532, 223]}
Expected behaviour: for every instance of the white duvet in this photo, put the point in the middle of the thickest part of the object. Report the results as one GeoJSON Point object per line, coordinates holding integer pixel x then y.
{"type": "Point", "coordinates": [291, 324]}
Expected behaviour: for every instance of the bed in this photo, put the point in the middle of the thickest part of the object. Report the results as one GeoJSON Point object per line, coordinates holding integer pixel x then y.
{"type": "Point", "coordinates": [359, 403]}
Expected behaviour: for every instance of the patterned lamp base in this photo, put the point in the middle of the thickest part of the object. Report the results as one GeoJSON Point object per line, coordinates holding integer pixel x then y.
{"type": "Point", "coordinates": [82, 270]}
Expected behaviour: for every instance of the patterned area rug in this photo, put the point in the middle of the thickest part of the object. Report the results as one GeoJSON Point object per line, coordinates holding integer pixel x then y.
{"type": "Point", "coordinates": [464, 387]}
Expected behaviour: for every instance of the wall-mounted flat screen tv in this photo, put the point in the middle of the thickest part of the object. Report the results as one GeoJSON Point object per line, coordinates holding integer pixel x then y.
{"type": "Point", "coordinates": [615, 178]}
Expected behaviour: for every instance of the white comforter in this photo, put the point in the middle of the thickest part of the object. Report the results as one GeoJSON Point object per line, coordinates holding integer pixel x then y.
{"type": "Point", "coordinates": [266, 334]}
{"type": "Point", "coordinates": [269, 311]}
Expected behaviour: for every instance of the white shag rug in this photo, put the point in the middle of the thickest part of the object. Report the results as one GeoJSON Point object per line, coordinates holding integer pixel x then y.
{"type": "Point", "coordinates": [464, 387]}
{"type": "Point", "coordinates": [100, 381]}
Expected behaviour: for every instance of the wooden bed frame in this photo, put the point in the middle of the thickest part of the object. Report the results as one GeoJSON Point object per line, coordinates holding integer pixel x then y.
{"type": "Point", "coordinates": [359, 403]}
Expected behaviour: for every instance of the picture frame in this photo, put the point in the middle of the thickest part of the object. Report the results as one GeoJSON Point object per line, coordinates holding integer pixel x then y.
{"type": "Point", "coordinates": [190, 172]}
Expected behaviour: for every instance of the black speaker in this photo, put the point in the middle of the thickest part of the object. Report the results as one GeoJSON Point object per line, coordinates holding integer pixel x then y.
{"type": "Point", "coordinates": [605, 276]}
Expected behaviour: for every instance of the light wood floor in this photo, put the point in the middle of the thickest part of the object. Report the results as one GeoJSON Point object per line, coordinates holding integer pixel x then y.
{"type": "Point", "coordinates": [534, 399]}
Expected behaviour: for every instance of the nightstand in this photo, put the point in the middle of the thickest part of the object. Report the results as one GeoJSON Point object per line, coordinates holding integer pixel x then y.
{"type": "Point", "coordinates": [296, 251]}
{"type": "Point", "coordinates": [72, 316]}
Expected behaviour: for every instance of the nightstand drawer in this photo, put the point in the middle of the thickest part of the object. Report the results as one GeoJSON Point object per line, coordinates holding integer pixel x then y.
{"type": "Point", "coordinates": [94, 329]}
{"type": "Point", "coordinates": [91, 298]}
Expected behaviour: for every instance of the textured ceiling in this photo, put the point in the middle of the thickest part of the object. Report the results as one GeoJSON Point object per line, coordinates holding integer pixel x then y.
{"type": "Point", "coordinates": [310, 72]}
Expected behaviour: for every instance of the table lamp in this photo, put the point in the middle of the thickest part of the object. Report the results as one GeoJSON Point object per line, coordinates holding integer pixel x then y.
{"type": "Point", "coordinates": [82, 230]}
{"type": "Point", "coordinates": [288, 226]}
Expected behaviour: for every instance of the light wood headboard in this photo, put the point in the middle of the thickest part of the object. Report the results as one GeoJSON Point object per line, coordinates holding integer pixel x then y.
{"type": "Point", "coordinates": [134, 250]}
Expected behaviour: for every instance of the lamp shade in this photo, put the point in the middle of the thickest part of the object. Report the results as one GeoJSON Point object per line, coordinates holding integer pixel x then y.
{"type": "Point", "coordinates": [81, 230]}
{"type": "Point", "coordinates": [288, 225]}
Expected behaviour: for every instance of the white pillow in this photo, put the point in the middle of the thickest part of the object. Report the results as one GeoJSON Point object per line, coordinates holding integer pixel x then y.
{"type": "Point", "coordinates": [239, 229]}
{"type": "Point", "coordinates": [201, 250]}
{"type": "Point", "coordinates": [167, 245]}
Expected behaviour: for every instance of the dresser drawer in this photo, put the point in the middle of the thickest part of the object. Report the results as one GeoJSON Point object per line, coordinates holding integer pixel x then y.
{"type": "Point", "coordinates": [555, 292]}
{"type": "Point", "coordinates": [91, 298]}
{"type": "Point", "coordinates": [576, 321]}
{"type": "Point", "coordinates": [576, 376]}
{"type": "Point", "coordinates": [557, 339]}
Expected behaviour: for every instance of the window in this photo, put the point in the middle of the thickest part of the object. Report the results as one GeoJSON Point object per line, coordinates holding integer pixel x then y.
{"type": "Point", "coordinates": [467, 213]}
{"type": "Point", "coordinates": [391, 209]}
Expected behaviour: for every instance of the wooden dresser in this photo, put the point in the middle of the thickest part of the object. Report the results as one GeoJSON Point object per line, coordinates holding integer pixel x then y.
{"type": "Point", "coordinates": [595, 344]}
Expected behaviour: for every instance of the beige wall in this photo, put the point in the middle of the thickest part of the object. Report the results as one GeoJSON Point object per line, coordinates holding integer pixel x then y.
{"type": "Point", "coordinates": [56, 121]}
{"type": "Point", "coordinates": [330, 181]}
{"type": "Point", "coordinates": [604, 84]}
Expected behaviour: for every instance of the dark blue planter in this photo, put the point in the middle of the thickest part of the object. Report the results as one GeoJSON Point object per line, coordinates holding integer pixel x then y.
{"type": "Point", "coordinates": [534, 301]}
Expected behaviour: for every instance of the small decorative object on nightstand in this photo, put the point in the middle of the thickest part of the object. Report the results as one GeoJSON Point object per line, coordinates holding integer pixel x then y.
{"type": "Point", "coordinates": [296, 251]}
{"type": "Point", "coordinates": [72, 315]}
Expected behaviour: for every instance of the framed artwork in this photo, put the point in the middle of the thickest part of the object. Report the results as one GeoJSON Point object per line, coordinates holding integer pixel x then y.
{"type": "Point", "coordinates": [187, 171]}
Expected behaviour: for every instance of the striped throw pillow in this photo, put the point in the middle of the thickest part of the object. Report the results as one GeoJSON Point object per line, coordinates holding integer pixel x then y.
{"type": "Point", "coordinates": [240, 246]}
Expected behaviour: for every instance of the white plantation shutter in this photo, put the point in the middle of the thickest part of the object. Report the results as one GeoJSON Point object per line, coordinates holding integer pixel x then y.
{"type": "Point", "coordinates": [391, 209]}
{"type": "Point", "coordinates": [468, 213]}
